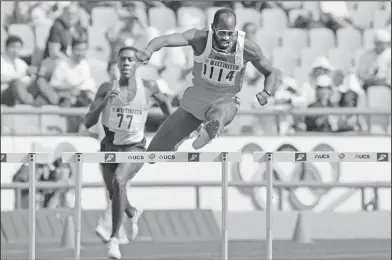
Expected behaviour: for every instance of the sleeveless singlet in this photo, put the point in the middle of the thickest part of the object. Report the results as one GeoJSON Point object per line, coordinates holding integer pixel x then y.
{"type": "Point", "coordinates": [127, 120]}
{"type": "Point", "coordinates": [216, 76]}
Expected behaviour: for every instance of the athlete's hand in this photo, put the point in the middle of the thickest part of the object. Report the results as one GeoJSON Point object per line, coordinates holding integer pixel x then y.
{"type": "Point", "coordinates": [110, 96]}
{"type": "Point", "coordinates": [262, 97]}
{"type": "Point", "coordinates": [144, 55]}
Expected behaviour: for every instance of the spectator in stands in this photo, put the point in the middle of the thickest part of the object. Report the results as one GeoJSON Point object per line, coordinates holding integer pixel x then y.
{"type": "Point", "coordinates": [306, 21]}
{"type": "Point", "coordinates": [374, 65]}
{"type": "Point", "coordinates": [334, 15]}
{"type": "Point", "coordinates": [59, 198]}
{"type": "Point", "coordinates": [322, 123]}
{"type": "Point", "coordinates": [71, 77]}
{"type": "Point", "coordinates": [65, 28]}
{"type": "Point", "coordinates": [43, 93]}
{"type": "Point", "coordinates": [289, 96]}
{"type": "Point", "coordinates": [16, 75]}
{"type": "Point", "coordinates": [321, 66]}
{"type": "Point", "coordinates": [349, 94]}
{"type": "Point", "coordinates": [261, 5]}
{"type": "Point", "coordinates": [129, 31]}
{"type": "Point", "coordinates": [22, 175]}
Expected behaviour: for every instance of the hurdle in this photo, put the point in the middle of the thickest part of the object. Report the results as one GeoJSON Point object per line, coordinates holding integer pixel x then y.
{"type": "Point", "coordinates": [32, 159]}
{"type": "Point", "coordinates": [148, 157]}
{"type": "Point", "coordinates": [298, 157]}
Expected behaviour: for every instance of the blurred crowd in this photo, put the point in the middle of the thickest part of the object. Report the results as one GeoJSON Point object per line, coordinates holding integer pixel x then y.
{"type": "Point", "coordinates": [332, 54]}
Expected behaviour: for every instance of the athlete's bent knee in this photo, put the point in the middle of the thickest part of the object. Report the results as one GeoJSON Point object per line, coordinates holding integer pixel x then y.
{"type": "Point", "coordinates": [119, 184]}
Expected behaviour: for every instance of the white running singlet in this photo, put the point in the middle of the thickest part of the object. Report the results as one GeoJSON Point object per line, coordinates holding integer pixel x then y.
{"type": "Point", "coordinates": [127, 119]}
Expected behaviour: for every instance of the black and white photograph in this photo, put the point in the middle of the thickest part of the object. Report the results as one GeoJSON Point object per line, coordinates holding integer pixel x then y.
{"type": "Point", "coordinates": [195, 130]}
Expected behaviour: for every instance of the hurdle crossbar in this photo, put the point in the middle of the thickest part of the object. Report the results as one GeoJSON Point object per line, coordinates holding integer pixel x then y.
{"type": "Point", "coordinates": [32, 159]}
{"type": "Point", "coordinates": [143, 157]}
{"type": "Point", "coordinates": [298, 157]}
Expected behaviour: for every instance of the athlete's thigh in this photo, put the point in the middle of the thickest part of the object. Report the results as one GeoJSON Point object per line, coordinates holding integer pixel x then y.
{"type": "Point", "coordinates": [126, 171]}
{"type": "Point", "coordinates": [224, 111]}
{"type": "Point", "coordinates": [174, 129]}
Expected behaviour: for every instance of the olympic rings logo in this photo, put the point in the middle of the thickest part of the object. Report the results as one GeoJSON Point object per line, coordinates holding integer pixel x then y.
{"type": "Point", "coordinates": [297, 198]}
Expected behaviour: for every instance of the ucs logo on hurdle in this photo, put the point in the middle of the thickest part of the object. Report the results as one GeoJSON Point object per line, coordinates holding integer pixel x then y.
{"type": "Point", "coordinates": [382, 157]}
{"type": "Point", "coordinates": [110, 157]}
{"type": "Point", "coordinates": [193, 157]}
{"type": "Point", "coordinates": [3, 157]}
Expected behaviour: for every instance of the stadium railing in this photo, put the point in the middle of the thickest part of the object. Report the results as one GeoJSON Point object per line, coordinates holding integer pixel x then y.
{"type": "Point", "coordinates": [199, 185]}
{"type": "Point", "coordinates": [277, 113]}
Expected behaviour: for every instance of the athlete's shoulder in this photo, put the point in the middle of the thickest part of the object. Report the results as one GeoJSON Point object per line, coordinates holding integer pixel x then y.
{"type": "Point", "coordinates": [252, 50]}
{"type": "Point", "coordinates": [104, 88]}
{"type": "Point", "coordinates": [196, 35]}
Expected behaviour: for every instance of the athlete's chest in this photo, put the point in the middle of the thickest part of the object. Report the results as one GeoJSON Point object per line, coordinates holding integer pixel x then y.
{"type": "Point", "coordinates": [128, 94]}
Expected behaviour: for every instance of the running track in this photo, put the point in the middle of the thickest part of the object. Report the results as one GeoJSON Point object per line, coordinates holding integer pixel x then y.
{"type": "Point", "coordinates": [244, 250]}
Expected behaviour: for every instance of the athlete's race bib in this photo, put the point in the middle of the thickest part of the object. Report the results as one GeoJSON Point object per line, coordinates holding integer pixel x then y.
{"type": "Point", "coordinates": [125, 119]}
{"type": "Point", "coordinates": [219, 72]}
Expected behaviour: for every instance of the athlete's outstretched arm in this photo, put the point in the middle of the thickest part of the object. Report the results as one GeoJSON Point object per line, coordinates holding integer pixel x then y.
{"type": "Point", "coordinates": [253, 53]}
{"type": "Point", "coordinates": [170, 40]}
{"type": "Point", "coordinates": [97, 105]}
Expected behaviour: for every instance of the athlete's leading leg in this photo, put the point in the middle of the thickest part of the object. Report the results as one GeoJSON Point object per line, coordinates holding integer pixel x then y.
{"type": "Point", "coordinates": [174, 130]}
{"type": "Point", "coordinates": [104, 228]}
{"type": "Point", "coordinates": [122, 175]}
{"type": "Point", "coordinates": [218, 116]}
{"type": "Point", "coordinates": [108, 172]}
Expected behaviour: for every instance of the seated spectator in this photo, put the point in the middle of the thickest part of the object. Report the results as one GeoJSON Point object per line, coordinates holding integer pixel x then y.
{"type": "Point", "coordinates": [15, 74]}
{"type": "Point", "coordinates": [321, 123]}
{"type": "Point", "coordinates": [289, 96]}
{"type": "Point", "coordinates": [22, 176]}
{"type": "Point", "coordinates": [40, 89]}
{"type": "Point", "coordinates": [321, 66]}
{"type": "Point", "coordinates": [127, 32]}
{"type": "Point", "coordinates": [374, 65]}
{"type": "Point", "coordinates": [349, 94]}
{"type": "Point", "coordinates": [65, 28]}
{"type": "Point", "coordinates": [72, 76]}
{"type": "Point", "coordinates": [306, 21]}
{"type": "Point", "coordinates": [334, 15]}
{"type": "Point", "coordinates": [59, 198]}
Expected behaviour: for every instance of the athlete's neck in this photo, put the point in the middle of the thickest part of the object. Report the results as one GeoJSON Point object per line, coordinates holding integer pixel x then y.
{"type": "Point", "coordinates": [127, 82]}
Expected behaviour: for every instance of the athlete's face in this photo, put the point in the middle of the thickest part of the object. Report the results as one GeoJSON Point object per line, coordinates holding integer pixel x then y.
{"type": "Point", "coordinates": [225, 33]}
{"type": "Point", "coordinates": [127, 63]}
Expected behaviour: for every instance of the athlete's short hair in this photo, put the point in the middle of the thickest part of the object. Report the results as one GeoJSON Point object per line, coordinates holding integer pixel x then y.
{"type": "Point", "coordinates": [224, 11]}
{"type": "Point", "coordinates": [127, 48]}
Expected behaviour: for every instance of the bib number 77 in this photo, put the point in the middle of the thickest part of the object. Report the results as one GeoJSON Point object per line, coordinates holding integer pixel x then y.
{"type": "Point", "coordinates": [127, 117]}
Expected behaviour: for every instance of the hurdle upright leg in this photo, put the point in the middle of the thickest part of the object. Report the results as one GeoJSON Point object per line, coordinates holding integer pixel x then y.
{"type": "Point", "coordinates": [78, 205]}
{"type": "Point", "coordinates": [32, 204]}
{"type": "Point", "coordinates": [225, 186]}
{"type": "Point", "coordinates": [268, 222]}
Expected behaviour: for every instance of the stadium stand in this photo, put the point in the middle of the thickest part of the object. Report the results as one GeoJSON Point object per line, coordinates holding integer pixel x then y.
{"type": "Point", "coordinates": [293, 50]}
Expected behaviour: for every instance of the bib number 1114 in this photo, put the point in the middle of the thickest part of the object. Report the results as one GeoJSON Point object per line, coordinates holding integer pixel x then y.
{"type": "Point", "coordinates": [218, 75]}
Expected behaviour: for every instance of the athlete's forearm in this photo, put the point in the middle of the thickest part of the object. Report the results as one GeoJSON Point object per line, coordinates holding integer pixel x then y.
{"type": "Point", "coordinates": [271, 82]}
{"type": "Point", "coordinates": [92, 116]}
{"type": "Point", "coordinates": [157, 43]}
